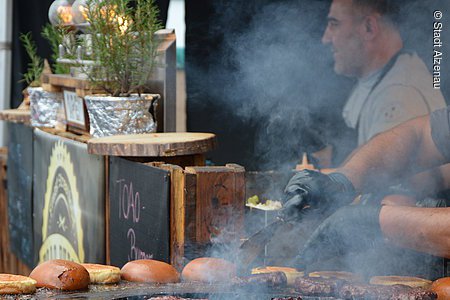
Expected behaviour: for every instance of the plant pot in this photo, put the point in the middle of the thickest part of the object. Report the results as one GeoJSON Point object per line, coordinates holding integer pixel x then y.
{"type": "Point", "coordinates": [121, 115]}
{"type": "Point", "coordinates": [45, 107]}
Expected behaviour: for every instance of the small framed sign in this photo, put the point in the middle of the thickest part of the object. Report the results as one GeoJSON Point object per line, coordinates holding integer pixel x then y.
{"type": "Point", "coordinates": [76, 112]}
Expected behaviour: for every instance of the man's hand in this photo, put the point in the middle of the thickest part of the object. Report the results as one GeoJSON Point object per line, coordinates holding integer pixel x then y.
{"type": "Point", "coordinates": [313, 190]}
{"type": "Point", "coordinates": [352, 228]}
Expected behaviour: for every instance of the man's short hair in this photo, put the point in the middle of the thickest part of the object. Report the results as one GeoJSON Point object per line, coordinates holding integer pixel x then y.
{"type": "Point", "coordinates": [388, 9]}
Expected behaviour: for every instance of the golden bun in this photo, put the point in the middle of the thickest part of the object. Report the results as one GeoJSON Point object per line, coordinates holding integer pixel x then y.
{"type": "Point", "coordinates": [209, 269]}
{"type": "Point", "coordinates": [102, 273]}
{"type": "Point", "coordinates": [441, 287]}
{"type": "Point", "coordinates": [336, 275]}
{"type": "Point", "coordinates": [149, 270]}
{"type": "Point", "coordinates": [61, 274]}
{"type": "Point", "coordinates": [404, 280]}
{"type": "Point", "coordinates": [16, 284]}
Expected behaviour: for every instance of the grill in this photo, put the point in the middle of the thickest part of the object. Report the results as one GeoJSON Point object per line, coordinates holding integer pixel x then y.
{"type": "Point", "coordinates": [188, 290]}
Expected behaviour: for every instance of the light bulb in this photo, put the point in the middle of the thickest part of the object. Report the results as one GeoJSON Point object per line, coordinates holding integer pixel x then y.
{"type": "Point", "coordinates": [60, 12]}
{"type": "Point", "coordinates": [79, 11]}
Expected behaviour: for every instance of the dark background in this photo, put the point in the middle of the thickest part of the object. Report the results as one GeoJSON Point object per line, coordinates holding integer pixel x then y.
{"type": "Point", "coordinates": [299, 110]}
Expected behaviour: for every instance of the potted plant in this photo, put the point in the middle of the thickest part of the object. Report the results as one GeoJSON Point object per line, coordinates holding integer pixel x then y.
{"type": "Point", "coordinates": [124, 50]}
{"type": "Point", "coordinates": [43, 105]}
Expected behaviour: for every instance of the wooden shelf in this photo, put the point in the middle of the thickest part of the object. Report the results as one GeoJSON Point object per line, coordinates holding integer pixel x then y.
{"type": "Point", "coordinates": [16, 115]}
{"type": "Point", "coordinates": [153, 145]}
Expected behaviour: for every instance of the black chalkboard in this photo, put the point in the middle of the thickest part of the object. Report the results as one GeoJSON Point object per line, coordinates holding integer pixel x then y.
{"type": "Point", "coordinates": [20, 184]}
{"type": "Point", "coordinates": [69, 200]}
{"type": "Point", "coordinates": [139, 212]}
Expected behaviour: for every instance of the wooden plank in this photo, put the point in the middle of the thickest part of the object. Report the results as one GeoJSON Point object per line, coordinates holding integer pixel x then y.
{"type": "Point", "coordinates": [190, 182]}
{"type": "Point", "coordinates": [107, 212]}
{"type": "Point", "coordinates": [9, 263]}
{"type": "Point", "coordinates": [181, 161]}
{"type": "Point", "coordinates": [153, 144]}
{"type": "Point", "coordinates": [16, 115]}
{"type": "Point", "coordinates": [82, 138]}
{"type": "Point", "coordinates": [177, 215]}
{"type": "Point", "coordinates": [220, 193]}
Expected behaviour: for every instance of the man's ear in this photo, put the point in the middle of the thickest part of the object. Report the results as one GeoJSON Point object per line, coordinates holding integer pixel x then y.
{"type": "Point", "coordinates": [371, 27]}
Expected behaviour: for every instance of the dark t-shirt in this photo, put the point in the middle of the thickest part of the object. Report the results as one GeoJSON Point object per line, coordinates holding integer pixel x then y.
{"type": "Point", "coordinates": [440, 130]}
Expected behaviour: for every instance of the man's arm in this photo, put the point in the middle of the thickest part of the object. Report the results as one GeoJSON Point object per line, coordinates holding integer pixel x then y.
{"type": "Point", "coordinates": [423, 229]}
{"type": "Point", "coordinates": [388, 155]}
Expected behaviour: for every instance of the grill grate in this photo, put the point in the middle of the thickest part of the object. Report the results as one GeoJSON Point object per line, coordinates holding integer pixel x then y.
{"type": "Point", "coordinates": [129, 290]}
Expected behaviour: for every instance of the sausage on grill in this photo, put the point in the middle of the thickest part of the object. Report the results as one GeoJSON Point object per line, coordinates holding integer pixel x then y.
{"type": "Point", "coordinates": [271, 280]}
{"type": "Point", "coordinates": [318, 287]}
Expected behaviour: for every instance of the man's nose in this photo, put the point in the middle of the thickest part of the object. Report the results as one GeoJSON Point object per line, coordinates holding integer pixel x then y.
{"type": "Point", "coordinates": [326, 38]}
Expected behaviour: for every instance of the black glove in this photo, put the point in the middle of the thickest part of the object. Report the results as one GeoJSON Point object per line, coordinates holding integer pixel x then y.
{"type": "Point", "coordinates": [352, 228]}
{"type": "Point", "coordinates": [313, 190]}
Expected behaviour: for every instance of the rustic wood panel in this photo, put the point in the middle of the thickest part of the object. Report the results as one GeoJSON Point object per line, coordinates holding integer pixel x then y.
{"type": "Point", "coordinates": [16, 115]}
{"type": "Point", "coordinates": [182, 160]}
{"type": "Point", "coordinates": [153, 144]}
{"type": "Point", "coordinates": [82, 138]}
{"type": "Point", "coordinates": [107, 212]}
{"type": "Point", "coordinates": [9, 263]}
{"type": "Point", "coordinates": [177, 215]}
{"type": "Point", "coordinates": [220, 193]}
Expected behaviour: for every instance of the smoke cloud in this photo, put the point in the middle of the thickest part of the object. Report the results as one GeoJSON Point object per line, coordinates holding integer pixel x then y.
{"type": "Point", "coordinates": [273, 73]}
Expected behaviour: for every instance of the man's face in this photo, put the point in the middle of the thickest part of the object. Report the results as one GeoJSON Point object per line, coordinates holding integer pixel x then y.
{"type": "Point", "coordinates": [343, 34]}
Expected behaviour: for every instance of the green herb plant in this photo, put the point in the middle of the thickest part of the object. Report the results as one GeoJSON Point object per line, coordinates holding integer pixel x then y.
{"type": "Point", "coordinates": [60, 35]}
{"type": "Point", "coordinates": [36, 65]}
{"type": "Point", "coordinates": [124, 46]}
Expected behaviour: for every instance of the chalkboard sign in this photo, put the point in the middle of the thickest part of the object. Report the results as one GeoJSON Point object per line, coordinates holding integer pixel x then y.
{"type": "Point", "coordinates": [139, 212]}
{"type": "Point", "coordinates": [69, 201]}
{"type": "Point", "coordinates": [20, 184]}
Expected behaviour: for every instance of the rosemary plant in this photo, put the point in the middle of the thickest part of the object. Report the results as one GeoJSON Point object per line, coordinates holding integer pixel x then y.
{"type": "Point", "coordinates": [36, 65]}
{"type": "Point", "coordinates": [60, 35]}
{"type": "Point", "coordinates": [123, 44]}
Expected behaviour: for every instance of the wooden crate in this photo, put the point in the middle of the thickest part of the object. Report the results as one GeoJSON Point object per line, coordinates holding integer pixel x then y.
{"type": "Point", "coordinates": [206, 205]}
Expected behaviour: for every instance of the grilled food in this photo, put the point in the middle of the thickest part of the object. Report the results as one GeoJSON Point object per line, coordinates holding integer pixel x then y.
{"type": "Point", "coordinates": [321, 287]}
{"type": "Point", "coordinates": [291, 273]}
{"type": "Point", "coordinates": [149, 270]}
{"type": "Point", "coordinates": [270, 280]}
{"type": "Point", "coordinates": [442, 287]}
{"type": "Point", "coordinates": [404, 280]}
{"type": "Point", "coordinates": [102, 274]}
{"type": "Point", "coordinates": [317, 287]}
{"type": "Point", "coordinates": [342, 275]}
{"type": "Point", "coordinates": [61, 274]}
{"type": "Point", "coordinates": [209, 269]}
{"type": "Point", "coordinates": [16, 284]}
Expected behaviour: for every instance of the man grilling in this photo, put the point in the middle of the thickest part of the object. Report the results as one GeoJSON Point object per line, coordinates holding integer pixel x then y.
{"type": "Point", "coordinates": [393, 84]}
{"type": "Point", "coordinates": [396, 223]}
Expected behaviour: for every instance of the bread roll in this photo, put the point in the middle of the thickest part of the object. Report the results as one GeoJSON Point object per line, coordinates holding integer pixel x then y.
{"type": "Point", "coordinates": [16, 284]}
{"type": "Point", "coordinates": [149, 270]}
{"type": "Point", "coordinates": [209, 269]}
{"type": "Point", "coordinates": [442, 288]}
{"type": "Point", "coordinates": [61, 274]}
{"type": "Point", "coordinates": [405, 280]}
{"type": "Point", "coordinates": [102, 274]}
{"type": "Point", "coordinates": [336, 275]}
